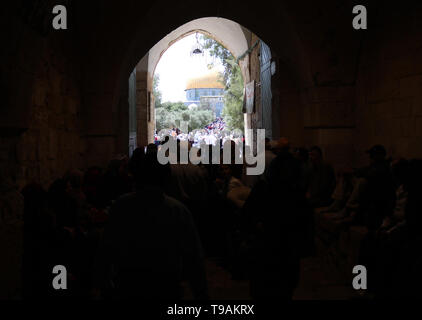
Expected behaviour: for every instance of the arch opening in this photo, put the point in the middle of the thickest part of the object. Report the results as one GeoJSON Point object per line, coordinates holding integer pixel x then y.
{"type": "Point", "coordinates": [246, 49]}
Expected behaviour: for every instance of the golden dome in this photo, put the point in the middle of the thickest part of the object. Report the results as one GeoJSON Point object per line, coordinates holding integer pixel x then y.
{"type": "Point", "coordinates": [209, 80]}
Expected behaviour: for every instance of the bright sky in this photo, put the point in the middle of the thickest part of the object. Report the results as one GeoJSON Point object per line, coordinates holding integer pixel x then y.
{"type": "Point", "coordinates": [176, 66]}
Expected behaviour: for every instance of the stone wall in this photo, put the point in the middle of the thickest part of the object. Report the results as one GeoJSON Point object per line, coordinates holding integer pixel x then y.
{"type": "Point", "coordinates": [40, 129]}
{"type": "Point", "coordinates": [64, 93]}
{"type": "Point", "coordinates": [290, 108]}
{"type": "Point", "coordinates": [389, 86]}
{"type": "Point", "coordinates": [366, 84]}
{"type": "Point", "coordinates": [255, 74]}
{"type": "Point", "coordinates": [145, 122]}
{"type": "Point", "coordinates": [51, 144]}
{"type": "Point", "coordinates": [329, 121]}
{"type": "Point", "coordinates": [40, 123]}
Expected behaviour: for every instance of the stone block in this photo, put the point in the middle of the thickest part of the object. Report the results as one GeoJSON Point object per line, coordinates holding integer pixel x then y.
{"type": "Point", "coordinates": [417, 105]}
{"type": "Point", "coordinates": [407, 126]}
{"type": "Point", "coordinates": [418, 126]}
{"type": "Point", "coordinates": [52, 144]}
{"type": "Point", "coordinates": [402, 148]}
{"type": "Point", "coordinates": [39, 96]}
{"type": "Point", "coordinates": [311, 114]}
{"type": "Point", "coordinates": [396, 127]}
{"type": "Point", "coordinates": [410, 86]}
{"type": "Point", "coordinates": [383, 126]}
{"type": "Point", "coordinates": [402, 107]}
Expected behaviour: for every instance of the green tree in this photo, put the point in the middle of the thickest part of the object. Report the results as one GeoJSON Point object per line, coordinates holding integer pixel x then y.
{"type": "Point", "coordinates": [200, 118]}
{"type": "Point", "coordinates": [232, 80]}
{"type": "Point", "coordinates": [170, 115]}
{"type": "Point", "coordinates": [157, 93]}
{"type": "Point", "coordinates": [233, 98]}
{"type": "Point", "coordinates": [217, 50]}
{"type": "Point", "coordinates": [174, 106]}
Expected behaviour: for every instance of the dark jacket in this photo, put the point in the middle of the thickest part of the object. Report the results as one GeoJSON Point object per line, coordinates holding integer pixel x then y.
{"type": "Point", "coordinates": [149, 246]}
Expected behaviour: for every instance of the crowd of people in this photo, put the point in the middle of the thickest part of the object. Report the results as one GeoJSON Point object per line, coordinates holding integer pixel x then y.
{"type": "Point", "coordinates": [216, 126]}
{"type": "Point", "coordinates": [383, 197]}
{"type": "Point", "coordinates": [211, 134]}
{"type": "Point", "coordinates": [138, 228]}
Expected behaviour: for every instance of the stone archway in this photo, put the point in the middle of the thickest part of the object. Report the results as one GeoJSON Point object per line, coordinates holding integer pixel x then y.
{"type": "Point", "coordinates": [85, 71]}
{"type": "Point", "coordinates": [234, 37]}
{"type": "Point", "coordinates": [291, 50]}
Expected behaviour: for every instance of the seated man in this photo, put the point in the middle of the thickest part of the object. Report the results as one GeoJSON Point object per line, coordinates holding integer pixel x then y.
{"type": "Point", "coordinates": [375, 198]}
{"type": "Point", "coordinates": [373, 195]}
{"type": "Point", "coordinates": [401, 177]}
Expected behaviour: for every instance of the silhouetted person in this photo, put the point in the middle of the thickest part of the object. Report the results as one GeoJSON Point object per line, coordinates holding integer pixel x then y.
{"type": "Point", "coordinates": [138, 155]}
{"type": "Point", "coordinates": [302, 155]}
{"type": "Point", "coordinates": [280, 229]}
{"type": "Point", "coordinates": [150, 243]}
{"type": "Point", "coordinates": [375, 201]}
{"type": "Point", "coordinates": [377, 198]}
{"type": "Point", "coordinates": [73, 242]}
{"type": "Point", "coordinates": [91, 187]}
{"type": "Point", "coordinates": [152, 148]}
{"type": "Point", "coordinates": [322, 180]}
{"type": "Point", "coordinates": [38, 243]}
{"type": "Point", "coordinates": [116, 181]}
{"type": "Point", "coordinates": [398, 258]}
{"type": "Point", "coordinates": [401, 172]}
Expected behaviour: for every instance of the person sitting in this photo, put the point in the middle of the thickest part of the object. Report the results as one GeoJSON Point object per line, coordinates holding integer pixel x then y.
{"type": "Point", "coordinates": [401, 177]}
{"type": "Point", "coordinates": [396, 256]}
{"type": "Point", "coordinates": [342, 192]}
{"type": "Point", "coordinates": [376, 192]}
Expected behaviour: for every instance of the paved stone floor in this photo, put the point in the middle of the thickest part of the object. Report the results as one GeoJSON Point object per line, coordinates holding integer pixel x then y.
{"type": "Point", "coordinates": [222, 286]}
{"type": "Point", "coordinates": [318, 281]}
{"type": "Point", "coordinates": [322, 277]}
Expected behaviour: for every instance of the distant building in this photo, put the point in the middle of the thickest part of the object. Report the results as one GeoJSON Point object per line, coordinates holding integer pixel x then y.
{"type": "Point", "coordinates": [206, 92]}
